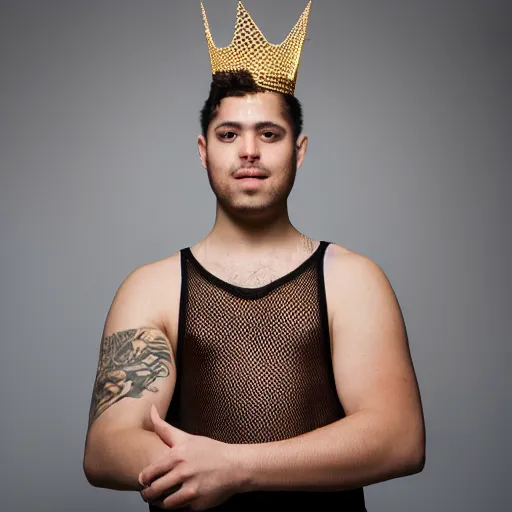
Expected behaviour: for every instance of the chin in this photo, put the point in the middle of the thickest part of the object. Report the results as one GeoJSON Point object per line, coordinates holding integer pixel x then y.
{"type": "Point", "coordinates": [254, 211]}
{"type": "Point", "coordinates": [255, 205]}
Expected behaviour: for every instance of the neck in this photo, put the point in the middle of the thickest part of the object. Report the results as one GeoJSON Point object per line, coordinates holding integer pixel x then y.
{"type": "Point", "coordinates": [253, 234]}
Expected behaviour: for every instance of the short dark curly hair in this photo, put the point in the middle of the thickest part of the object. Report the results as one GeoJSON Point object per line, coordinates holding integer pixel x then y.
{"type": "Point", "coordinates": [240, 83]}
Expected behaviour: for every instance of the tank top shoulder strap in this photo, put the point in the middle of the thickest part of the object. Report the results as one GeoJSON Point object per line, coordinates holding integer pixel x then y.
{"type": "Point", "coordinates": [323, 246]}
{"type": "Point", "coordinates": [321, 253]}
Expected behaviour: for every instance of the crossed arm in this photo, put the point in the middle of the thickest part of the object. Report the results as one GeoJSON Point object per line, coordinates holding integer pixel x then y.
{"type": "Point", "coordinates": [135, 371]}
{"type": "Point", "coordinates": [382, 436]}
{"type": "Point", "coordinates": [383, 433]}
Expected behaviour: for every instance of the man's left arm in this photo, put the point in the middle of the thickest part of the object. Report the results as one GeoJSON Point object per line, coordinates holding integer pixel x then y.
{"type": "Point", "coordinates": [381, 437]}
{"type": "Point", "coordinates": [383, 434]}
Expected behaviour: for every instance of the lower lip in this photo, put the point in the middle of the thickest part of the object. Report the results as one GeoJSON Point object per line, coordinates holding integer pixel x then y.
{"type": "Point", "coordinates": [252, 181]}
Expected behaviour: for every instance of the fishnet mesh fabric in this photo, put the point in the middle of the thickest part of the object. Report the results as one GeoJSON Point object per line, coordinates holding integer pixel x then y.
{"type": "Point", "coordinates": [254, 369]}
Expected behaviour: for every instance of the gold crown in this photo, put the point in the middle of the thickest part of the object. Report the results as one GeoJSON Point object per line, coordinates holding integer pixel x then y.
{"type": "Point", "coordinates": [273, 67]}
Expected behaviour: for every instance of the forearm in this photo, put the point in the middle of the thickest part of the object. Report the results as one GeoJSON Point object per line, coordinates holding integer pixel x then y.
{"type": "Point", "coordinates": [114, 460]}
{"type": "Point", "coordinates": [358, 450]}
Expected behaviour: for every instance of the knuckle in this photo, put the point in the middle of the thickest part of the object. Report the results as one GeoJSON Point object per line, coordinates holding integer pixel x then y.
{"type": "Point", "coordinates": [190, 493]}
{"type": "Point", "coordinates": [177, 454]}
{"type": "Point", "coordinates": [177, 479]}
{"type": "Point", "coordinates": [185, 472]}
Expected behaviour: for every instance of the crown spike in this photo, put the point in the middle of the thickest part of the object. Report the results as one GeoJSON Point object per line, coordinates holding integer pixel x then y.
{"type": "Point", "coordinates": [297, 36]}
{"type": "Point", "coordinates": [273, 67]}
{"type": "Point", "coordinates": [246, 27]}
{"type": "Point", "coordinates": [299, 30]}
{"type": "Point", "coordinates": [209, 38]}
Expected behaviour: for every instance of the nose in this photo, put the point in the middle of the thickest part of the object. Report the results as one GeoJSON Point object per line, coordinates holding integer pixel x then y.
{"type": "Point", "coordinates": [249, 149]}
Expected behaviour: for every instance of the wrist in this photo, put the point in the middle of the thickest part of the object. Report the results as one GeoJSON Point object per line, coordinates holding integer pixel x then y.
{"type": "Point", "coordinates": [240, 456]}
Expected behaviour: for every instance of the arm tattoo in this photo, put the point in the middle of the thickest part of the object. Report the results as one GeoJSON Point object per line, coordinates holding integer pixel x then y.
{"type": "Point", "coordinates": [130, 361]}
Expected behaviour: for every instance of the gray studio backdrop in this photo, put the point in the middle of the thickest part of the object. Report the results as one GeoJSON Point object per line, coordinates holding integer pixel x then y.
{"type": "Point", "coordinates": [407, 105]}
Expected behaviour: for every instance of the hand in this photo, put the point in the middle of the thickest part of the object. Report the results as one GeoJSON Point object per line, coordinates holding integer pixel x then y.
{"type": "Point", "coordinates": [204, 471]}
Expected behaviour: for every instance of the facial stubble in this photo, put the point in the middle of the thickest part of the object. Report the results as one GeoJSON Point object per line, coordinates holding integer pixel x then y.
{"type": "Point", "coordinates": [261, 201]}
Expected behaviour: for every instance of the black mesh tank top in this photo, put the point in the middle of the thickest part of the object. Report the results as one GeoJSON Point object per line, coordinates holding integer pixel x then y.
{"type": "Point", "coordinates": [254, 366]}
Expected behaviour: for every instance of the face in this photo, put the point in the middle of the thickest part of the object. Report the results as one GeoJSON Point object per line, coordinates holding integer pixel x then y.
{"type": "Point", "coordinates": [251, 155]}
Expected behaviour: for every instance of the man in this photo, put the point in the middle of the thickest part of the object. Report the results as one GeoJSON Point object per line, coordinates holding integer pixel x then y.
{"type": "Point", "coordinates": [280, 364]}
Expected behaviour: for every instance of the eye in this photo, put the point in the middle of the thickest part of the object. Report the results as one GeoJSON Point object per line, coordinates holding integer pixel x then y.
{"type": "Point", "coordinates": [227, 135]}
{"type": "Point", "coordinates": [269, 135]}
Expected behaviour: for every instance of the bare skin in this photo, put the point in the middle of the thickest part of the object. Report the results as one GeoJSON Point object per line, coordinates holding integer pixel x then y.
{"type": "Point", "coordinates": [130, 361]}
{"type": "Point", "coordinates": [255, 273]}
{"type": "Point", "coordinates": [252, 240]}
{"type": "Point", "coordinates": [251, 244]}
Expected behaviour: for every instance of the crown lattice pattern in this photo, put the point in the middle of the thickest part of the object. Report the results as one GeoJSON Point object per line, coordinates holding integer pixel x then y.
{"type": "Point", "coordinates": [273, 67]}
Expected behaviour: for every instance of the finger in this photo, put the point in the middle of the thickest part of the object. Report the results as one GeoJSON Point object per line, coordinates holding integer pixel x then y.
{"type": "Point", "coordinates": [162, 428]}
{"type": "Point", "coordinates": [150, 473]}
{"type": "Point", "coordinates": [157, 420]}
{"type": "Point", "coordinates": [168, 433]}
{"type": "Point", "coordinates": [162, 487]}
{"type": "Point", "coordinates": [153, 412]}
{"type": "Point", "coordinates": [185, 496]}
{"type": "Point", "coordinates": [160, 500]}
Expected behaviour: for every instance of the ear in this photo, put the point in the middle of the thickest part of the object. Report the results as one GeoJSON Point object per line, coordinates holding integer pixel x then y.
{"type": "Point", "coordinates": [201, 146]}
{"type": "Point", "coordinates": [302, 147]}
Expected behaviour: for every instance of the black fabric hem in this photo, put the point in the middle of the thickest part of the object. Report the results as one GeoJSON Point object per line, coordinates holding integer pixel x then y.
{"type": "Point", "coordinates": [254, 293]}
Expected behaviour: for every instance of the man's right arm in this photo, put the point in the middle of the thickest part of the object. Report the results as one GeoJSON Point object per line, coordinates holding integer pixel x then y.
{"type": "Point", "coordinates": [136, 369]}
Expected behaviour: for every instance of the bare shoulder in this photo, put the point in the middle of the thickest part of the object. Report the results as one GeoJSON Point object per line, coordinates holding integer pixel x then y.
{"type": "Point", "coordinates": [354, 283]}
{"type": "Point", "coordinates": [153, 278]}
{"type": "Point", "coordinates": [147, 295]}
{"type": "Point", "coordinates": [157, 273]}
{"type": "Point", "coordinates": [352, 268]}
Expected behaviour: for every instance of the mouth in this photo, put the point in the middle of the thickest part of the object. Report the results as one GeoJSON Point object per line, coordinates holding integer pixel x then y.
{"type": "Point", "coordinates": [250, 174]}
{"type": "Point", "coordinates": [250, 180]}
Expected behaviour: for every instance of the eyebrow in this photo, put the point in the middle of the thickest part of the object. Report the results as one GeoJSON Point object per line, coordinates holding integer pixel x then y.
{"type": "Point", "coordinates": [257, 126]}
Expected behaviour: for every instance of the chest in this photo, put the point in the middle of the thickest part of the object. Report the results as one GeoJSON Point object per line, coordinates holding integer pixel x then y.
{"type": "Point", "coordinates": [251, 274]}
